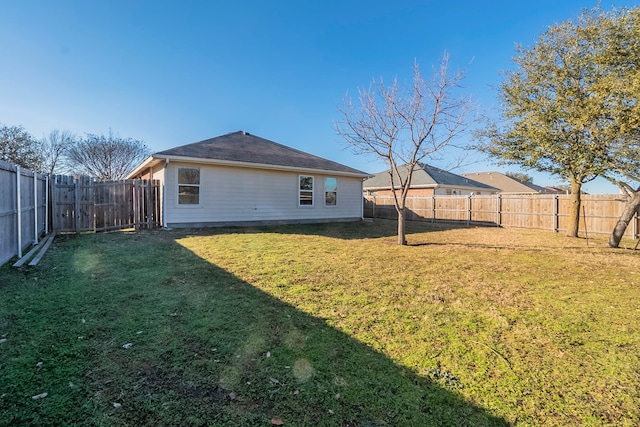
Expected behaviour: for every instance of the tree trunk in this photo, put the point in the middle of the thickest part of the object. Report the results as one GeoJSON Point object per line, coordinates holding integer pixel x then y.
{"type": "Point", "coordinates": [402, 238]}
{"type": "Point", "coordinates": [574, 208]}
{"type": "Point", "coordinates": [630, 208]}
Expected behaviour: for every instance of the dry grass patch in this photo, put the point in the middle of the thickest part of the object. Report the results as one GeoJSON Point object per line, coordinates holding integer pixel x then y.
{"type": "Point", "coordinates": [537, 327]}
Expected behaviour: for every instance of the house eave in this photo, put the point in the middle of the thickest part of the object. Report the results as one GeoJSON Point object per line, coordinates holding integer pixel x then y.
{"type": "Point", "coordinates": [147, 163]}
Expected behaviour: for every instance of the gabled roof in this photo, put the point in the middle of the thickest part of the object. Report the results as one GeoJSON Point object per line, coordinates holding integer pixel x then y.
{"type": "Point", "coordinates": [505, 183]}
{"type": "Point", "coordinates": [243, 149]}
{"type": "Point", "coordinates": [426, 176]}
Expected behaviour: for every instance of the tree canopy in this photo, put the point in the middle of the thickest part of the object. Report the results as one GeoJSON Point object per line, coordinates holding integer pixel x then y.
{"type": "Point", "coordinates": [18, 147]}
{"type": "Point", "coordinates": [570, 106]}
{"type": "Point", "coordinates": [106, 158]}
{"type": "Point", "coordinates": [55, 146]}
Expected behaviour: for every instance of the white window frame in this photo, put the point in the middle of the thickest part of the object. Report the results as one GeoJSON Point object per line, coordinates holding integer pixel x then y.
{"type": "Point", "coordinates": [178, 185]}
{"type": "Point", "coordinates": [335, 204]}
{"type": "Point", "coordinates": [300, 191]}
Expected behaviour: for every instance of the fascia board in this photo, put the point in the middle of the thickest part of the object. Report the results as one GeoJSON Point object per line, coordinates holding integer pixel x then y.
{"type": "Point", "coordinates": [200, 160]}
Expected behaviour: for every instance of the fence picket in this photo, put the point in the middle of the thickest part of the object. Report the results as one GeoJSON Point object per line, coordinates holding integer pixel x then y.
{"type": "Point", "coordinates": [532, 211]}
{"type": "Point", "coordinates": [102, 206]}
{"type": "Point", "coordinates": [22, 209]}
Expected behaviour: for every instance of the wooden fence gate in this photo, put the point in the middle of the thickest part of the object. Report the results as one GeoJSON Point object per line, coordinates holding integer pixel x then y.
{"type": "Point", "coordinates": [82, 204]}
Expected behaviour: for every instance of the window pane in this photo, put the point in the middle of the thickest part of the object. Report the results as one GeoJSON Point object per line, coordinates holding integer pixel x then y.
{"type": "Point", "coordinates": [188, 195]}
{"type": "Point", "coordinates": [306, 198]}
{"type": "Point", "coordinates": [330, 198]}
{"type": "Point", "coordinates": [188, 176]}
{"type": "Point", "coordinates": [306, 182]}
{"type": "Point", "coordinates": [330, 184]}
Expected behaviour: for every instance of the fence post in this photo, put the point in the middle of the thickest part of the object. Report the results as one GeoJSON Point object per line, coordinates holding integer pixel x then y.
{"type": "Point", "coordinates": [46, 204]}
{"type": "Point", "coordinates": [556, 202]}
{"type": "Point", "coordinates": [149, 207]}
{"type": "Point", "coordinates": [76, 191]}
{"type": "Point", "coordinates": [19, 211]}
{"type": "Point", "coordinates": [433, 199]}
{"type": "Point", "coordinates": [499, 213]}
{"type": "Point", "coordinates": [35, 208]}
{"type": "Point", "coordinates": [469, 210]}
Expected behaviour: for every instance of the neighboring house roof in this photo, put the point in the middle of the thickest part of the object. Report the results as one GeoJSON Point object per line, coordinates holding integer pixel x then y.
{"type": "Point", "coordinates": [426, 176]}
{"type": "Point", "coordinates": [505, 183]}
{"type": "Point", "coordinates": [243, 149]}
{"type": "Point", "coordinates": [552, 189]}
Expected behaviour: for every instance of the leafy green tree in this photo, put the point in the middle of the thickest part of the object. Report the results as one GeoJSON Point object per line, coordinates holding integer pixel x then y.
{"type": "Point", "coordinates": [520, 176]}
{"type": "Point", "coordinates": [106, 158]}
{"type": "Point", "coordinates": [624, 80]}
{"type": "Point", "coordinates": [18, 147]}
{"type": "Point", "coordinates": [562, 110]}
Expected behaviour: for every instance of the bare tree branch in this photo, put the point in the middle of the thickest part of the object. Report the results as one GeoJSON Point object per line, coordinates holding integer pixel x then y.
{"type": "Point", "coordinates": [406, 125]}
{"type": "Point", "coordinates": [55, 147]}
{"type": "Point", "coordinates": [107, 158]}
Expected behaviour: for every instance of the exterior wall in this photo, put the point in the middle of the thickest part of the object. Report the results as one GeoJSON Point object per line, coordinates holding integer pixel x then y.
{"type": "Point", "coordinates": [235, 195]}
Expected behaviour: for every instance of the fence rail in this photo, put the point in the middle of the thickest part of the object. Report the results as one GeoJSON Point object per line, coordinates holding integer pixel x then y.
{"type": "Point", "coordinates": [23, 209]}
{"type": "Point", "coordinates": [538, 211]}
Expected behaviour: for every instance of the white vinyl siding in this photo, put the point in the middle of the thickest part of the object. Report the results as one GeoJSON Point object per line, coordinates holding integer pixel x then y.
{"type": "Point", "coordinates": [236, 194]}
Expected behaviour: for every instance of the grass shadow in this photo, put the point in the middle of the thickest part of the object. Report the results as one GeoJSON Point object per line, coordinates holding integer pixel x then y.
{"type": "Point", "coordinates": [141, 331]}
{"type": "Point", "coordinates": [367, 229]}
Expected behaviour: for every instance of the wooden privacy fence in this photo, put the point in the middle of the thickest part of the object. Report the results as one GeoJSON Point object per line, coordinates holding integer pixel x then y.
{"type": "Point", "coordinates": [23, 209]}
{"type": "Point", "coordinates": [82, 204]}
{"type": "Point", "coordinates": [598, 215]}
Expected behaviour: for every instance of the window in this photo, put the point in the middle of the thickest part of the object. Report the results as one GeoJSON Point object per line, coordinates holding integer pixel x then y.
{"type": "Point", "coordinates": [306, 190]}
{"type": "Point", "coordinates": [188, 186]}
{"type": "Point", "coordinates": [330, 191]}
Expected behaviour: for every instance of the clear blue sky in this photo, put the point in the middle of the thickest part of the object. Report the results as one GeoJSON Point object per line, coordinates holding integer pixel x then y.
{"type": "Point", "coordinates": [172, 73]}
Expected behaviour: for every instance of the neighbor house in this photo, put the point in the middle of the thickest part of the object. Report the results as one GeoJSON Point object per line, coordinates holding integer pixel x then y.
{"type": "Point", "coordinates": [242, 179]}
{"type": "Point", "coordinates": [507, 184]}
{"type": "Point", "coordinates": [427, 181]}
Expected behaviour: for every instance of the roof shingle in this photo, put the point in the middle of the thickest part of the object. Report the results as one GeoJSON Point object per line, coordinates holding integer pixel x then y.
{"type": "Point", "coordinates": [505, 183]}
{"type": "Point", "coordinates": [243, 147]}
{"type": "Point", "coordinates": [426, 176]}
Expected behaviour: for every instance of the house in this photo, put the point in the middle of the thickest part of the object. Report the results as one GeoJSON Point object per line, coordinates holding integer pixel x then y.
{"type": "Point", "coordinates": [507, 184]}
{"type": "Point", "coordinates": [242, 179]}
{"type": "Point", "coordinates": [427, 181]}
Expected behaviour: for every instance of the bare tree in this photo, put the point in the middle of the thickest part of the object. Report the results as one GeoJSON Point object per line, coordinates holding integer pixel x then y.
{"type": "Point", "coordinates": [55, 147]}
{"type": "Point", "coordinates": [107, 158]}
{"type": "Point", "coordinates": [406, 125]}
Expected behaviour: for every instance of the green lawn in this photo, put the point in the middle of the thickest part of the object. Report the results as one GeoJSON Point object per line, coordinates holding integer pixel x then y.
{"type": "Point", "coordinates": [322, 325]}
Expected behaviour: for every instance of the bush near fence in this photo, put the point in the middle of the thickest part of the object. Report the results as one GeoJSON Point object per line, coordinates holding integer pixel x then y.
{"type": "Point", "coordinates": [599, 213]}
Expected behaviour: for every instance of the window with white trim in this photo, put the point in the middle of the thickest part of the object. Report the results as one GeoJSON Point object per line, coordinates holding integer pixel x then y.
{"type": "Point", "coordinates": [330, 191]}
{"type": "Point", "coordinates": [305, 192]}
{"type": "Point", "coordinates": [188, 186]}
